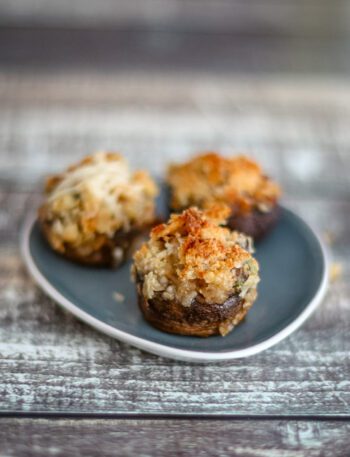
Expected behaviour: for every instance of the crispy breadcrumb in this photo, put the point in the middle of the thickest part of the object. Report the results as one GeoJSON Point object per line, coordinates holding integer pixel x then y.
{"type": "Point", "coordinates": [193, 255]}
{"type": "Point", "coordinates": [210, 178]}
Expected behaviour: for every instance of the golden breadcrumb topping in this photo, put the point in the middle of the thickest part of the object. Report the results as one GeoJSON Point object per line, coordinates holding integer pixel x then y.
{"type": "Point", "coordinates": [94, 199]}
{"type": "Point", "coordinates": [210, 178]}
{"type": "Point", "coordinates": [192, 255]}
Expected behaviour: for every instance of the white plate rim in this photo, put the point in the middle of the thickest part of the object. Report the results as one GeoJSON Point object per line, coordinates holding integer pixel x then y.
{"type": "Point", "coordinates": [160, 349]}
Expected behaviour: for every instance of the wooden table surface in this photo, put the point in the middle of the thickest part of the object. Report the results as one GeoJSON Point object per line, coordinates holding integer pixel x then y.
{"type": "Point", "coordinates": [66, 389]}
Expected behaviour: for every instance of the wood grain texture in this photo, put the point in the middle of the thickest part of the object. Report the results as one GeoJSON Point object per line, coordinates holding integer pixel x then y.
{"type": "Point", "coordinates": [297, 129]}
{"type": "Point", "coordinates": [110, 49]}
{"type": "Point", "coordinates": [144, 438]}
{"type": "Point", "coordinates": [49, 361]}
{"type": "Point", "coordinates": [321, 17]}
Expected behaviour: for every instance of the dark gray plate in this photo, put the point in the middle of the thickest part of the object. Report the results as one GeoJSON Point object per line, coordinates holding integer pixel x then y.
{"type": "Point", "coordinates": [293, 282]}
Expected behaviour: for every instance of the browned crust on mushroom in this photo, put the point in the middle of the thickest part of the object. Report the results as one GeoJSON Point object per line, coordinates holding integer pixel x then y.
{"type": "Point", "coordinates": [239, 182]}
{"type": "Point", "coordinates": [256, 224]}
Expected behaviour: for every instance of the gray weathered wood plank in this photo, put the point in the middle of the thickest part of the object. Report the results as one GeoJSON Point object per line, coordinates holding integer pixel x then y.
{"type": "Point", "coordinates": [102, 49]}
{"type": "Point", "coordinates": [311, 17]}
{"type": "Point", "coordinates": [145, 438]}
{"type": "Point", "coordinates": [297, 129]}
{"type": "Point", "coordinates": [51, 362]}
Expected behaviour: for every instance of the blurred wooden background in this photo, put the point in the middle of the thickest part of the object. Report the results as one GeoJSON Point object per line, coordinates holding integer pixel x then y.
{"type": "Point", "coordinates": [255, 36]}
{"type": "Point", "coordinates": [298, 17]}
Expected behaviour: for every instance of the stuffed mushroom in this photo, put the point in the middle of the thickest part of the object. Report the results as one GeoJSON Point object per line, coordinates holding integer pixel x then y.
{"type": "Point", "coordinates": [238, 182]}
{"type": "Point", "coordinates": [195, 277]}
{"type": "Point", "coordinates": [96, 208]}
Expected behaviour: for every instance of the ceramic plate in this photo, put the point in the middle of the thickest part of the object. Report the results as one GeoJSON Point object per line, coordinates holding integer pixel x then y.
{"type": "Point", "coordinates": [293, 282]}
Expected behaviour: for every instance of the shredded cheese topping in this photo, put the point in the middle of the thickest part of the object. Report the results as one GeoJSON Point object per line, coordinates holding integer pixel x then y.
{"type": "Point", "coordinates": [97, 197]}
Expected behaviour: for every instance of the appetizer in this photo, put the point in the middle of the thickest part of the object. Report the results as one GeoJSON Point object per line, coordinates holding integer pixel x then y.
{"type": "Point", "coordinates": [194, 277]}
{"type": "Point", "coordinates": [96, 208]}
{"type": "Point", "coordinates": [238, 182]}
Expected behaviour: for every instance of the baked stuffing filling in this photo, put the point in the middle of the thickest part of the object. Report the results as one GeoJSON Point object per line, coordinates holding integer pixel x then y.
{"type": "Point", "coordinates": [193, 257]}
{"type": "Point", "coordinates": [95, 199]}
{"type": "Point", "coordinates": [210, 178]}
